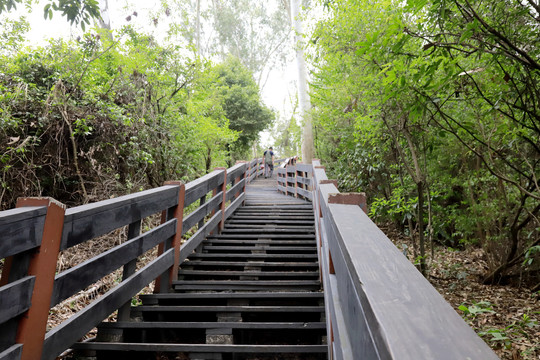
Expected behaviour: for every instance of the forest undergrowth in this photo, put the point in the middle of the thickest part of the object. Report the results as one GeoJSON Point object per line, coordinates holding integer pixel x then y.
{"type": "Point", "coordinates": [506, 317]}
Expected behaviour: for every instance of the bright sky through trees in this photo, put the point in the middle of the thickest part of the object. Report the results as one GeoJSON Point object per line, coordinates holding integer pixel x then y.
{"type": "Point", "coordinates": [279, 91]}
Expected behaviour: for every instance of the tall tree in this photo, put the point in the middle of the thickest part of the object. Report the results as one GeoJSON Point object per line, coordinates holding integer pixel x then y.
{"type": "Point", "coordinates": [303, 95]}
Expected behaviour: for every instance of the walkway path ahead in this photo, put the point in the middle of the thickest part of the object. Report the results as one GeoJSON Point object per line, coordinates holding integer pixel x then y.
{"type": "Point", "coordinates": [251, 292]}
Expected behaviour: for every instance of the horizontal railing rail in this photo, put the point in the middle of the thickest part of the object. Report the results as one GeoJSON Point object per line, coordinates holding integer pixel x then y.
{"type": "Point", "coordinates": [378, 305]}
{"type": "Point", "coordinates": [29, 286]}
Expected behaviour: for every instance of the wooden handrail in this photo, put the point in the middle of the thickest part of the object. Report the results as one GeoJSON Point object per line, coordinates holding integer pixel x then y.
{"type": "Point", "coordinates": [378, 305]}
{"type": "Point", "coordinates": [29, 286]}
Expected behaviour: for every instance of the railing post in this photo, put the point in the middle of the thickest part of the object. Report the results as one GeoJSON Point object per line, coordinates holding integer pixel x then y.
{"type": "Point", "coordinates": [349, 199]}
{"type": "Point", "coordinates": [329, 181]}
{"type": "Point", "coordinates": [237, 180]}
{"type": "Point", "coordinates": [223, 201]}
{"type": "Point", "coordinates": [164, 283]}
{"type": "Point", "coordinates": [33, 324]}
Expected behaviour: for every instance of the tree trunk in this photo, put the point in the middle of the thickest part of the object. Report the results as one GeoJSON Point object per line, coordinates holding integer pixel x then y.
{"type": "Point", "coordinates": [420, 189]}
{"type": "Point", "coordinates": [303, 95]}
{"type": "Point", "coordinates": [105, 21]}
{"type": "Point", "coordinates": [198, 28]}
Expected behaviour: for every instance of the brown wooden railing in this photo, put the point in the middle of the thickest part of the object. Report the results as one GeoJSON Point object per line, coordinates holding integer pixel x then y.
{"type": "Point", "coordinates": [33, 234]}
{"type": "Point", "coordinates": [378, 305]}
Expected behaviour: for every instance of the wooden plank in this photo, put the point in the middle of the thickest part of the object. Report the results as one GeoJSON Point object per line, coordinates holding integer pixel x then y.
{"type": "Point", "coordinates": [274, 230]}
{"type": "Point", "coordinates": [234, 205]}
{"type": "Point", "coordinates": [319, 174]}
{"type": "Point", "coordinates": [226, 309]}
{"type": "Point", "coordinates": [303, 180]}
{"type": "Point", "coordinates": [12, 353]}
{"type": "Point", "coordinates": [237, 295]}
{"type": "Point", "coordinates": [200, 213]}
{"type": "Point", "coordinates": [61, 337]}
{"type": "Point", "coordinates": [86, 222]}
{"type": "Point", "coordinates": [237, 188]}
{"type": "Point", "coordinates": [202, 186]}
{"type": "Point", "coordinates": [235, 171]}
{"type": "Point", "coordinates": [79, 277]}
{"type": "Point", "coordinates": [269, 242]}
{"type": "Point", "coordinates": [306, 168]}
{"type": "Point", "coordinates": [202, 348]}
{"type": "Point", "coordinates": [213, 325]}
{"type": "Point", "coordinates": [261, 247]}
{"type": "Point", "coordinates": [193, 242]}
{"type": "Point", "coordinates": [21, 229]}
{"type": "Point", "coordinates": [253, 263]}
{"type": "Point", "coordinates": [15, 298]}
{"type": "Point", "coordinates": [305, 193]}
{"type": "Point", "coordinates": [254, 256]}
{"type": "Point", "coordinates": [250, 273]}
{"type": "Point", "coordinates": [389, 289]}
{"type": "Point", "coordinates": [266, 236]}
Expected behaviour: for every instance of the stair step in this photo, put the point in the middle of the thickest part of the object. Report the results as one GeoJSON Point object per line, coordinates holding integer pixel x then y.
{"type": "Point", "coordinates": [296, 222]}
{"type": "Point", "coordinates": [262, 247]}
{"type": "Point", "coordinates": [234, 309]}
{"type": "Point", "coordinates": [259, 231]}
{"type": "Point", "coordinates": [227, 264]}
{"type": "Point", "coordinates": [236, 295]}
{"type": "Point", "coordinates": [272, 217]}
{"type": "Point", "coordinates": [210, 325]}
{"type": "Point", "coordinates": [249, 273]}
{"type": "Point", "coordinates": [218, 242]}
{"type": "Point", "coordinates": [265, 236]}
{"type": "Point", "coordinates": [201, 348]}
{"type": "Point", "coordinates": [253, 256]}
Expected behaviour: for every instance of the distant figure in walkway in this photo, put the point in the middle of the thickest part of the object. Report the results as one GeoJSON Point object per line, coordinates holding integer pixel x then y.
{"type": "Point", "coordinates": [268, 162]}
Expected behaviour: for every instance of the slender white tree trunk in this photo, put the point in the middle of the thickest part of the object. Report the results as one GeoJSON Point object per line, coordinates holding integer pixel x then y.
{"type": "Point", "coordinates": [198, 28]}
{"type": "Point", "coordinates": [303, 95]}
{"type": "Point", "coordinates": [105, 21]}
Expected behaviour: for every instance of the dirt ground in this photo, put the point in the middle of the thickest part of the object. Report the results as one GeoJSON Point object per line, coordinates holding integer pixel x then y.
{"type": "Point", "coordinates": [506, 317]}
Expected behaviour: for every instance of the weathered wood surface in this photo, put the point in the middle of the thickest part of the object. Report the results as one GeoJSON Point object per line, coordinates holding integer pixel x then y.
{"type": "Point", "coordinates": [12, 353]}
{"type": "Point", "coordinates": [215, 325]}
{"type": "Point", "coordinates": [21, 229]}
{"type": "Point", "coordinates": [236, 171]}
{"type": "Point", "coordinates": [400, 315]}
{"type": "Point", "coordinates": [194, 241]}
{"type": "Point", "coordinates": [86, 222]}
{"type": "Point", "coordinates": [201, 212]}
{"type": "Point", "coordinates": [202, 186]}
{"type": "Point", "coordinates": [209, 348]}
{"type": "Point", "coordinates": [15, 298]}
{"type": "Point", "coordinates": [79, 277]}
{"type": "Point", "coordinates": [64, 335]}
{"type": "Point", "coordinates": [235, 190]}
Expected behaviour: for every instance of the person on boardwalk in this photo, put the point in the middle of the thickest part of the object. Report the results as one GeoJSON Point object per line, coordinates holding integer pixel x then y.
{"type": "Point", "coordinates": [268, 157]}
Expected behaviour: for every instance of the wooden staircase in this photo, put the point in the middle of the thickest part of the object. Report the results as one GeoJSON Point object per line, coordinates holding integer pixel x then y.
{"type": "Point", "coordinates": [251, 292]}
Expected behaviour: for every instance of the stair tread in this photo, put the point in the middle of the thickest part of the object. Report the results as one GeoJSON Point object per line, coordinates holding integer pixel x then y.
{"type": "Point", "coordinates": [260, 247]}
{"type": "Point", "coordinates": [294, 256]}
{"type": "Point", "coordinates": [175, 347]}
{"type": "Point", "coordinates": [226, 308]}
{"type": "Point", "coordinates": [213, 325]}
{"type": "Point", "coordinates": [251, 263]}
{"type": "Point", "coordinates": [249, 273]}
{"type": "Point", "coordinates": [236, 295]}
{"type": "Point", "coordinates": [247, 282]}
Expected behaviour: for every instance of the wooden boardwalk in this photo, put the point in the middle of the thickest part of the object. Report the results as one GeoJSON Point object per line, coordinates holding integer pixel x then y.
{"type": "Point", "coordinates": [251, 292]}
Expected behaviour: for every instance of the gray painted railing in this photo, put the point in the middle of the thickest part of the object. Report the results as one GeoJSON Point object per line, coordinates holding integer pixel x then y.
{"type": "Point", "coordinates": [378, 305]}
